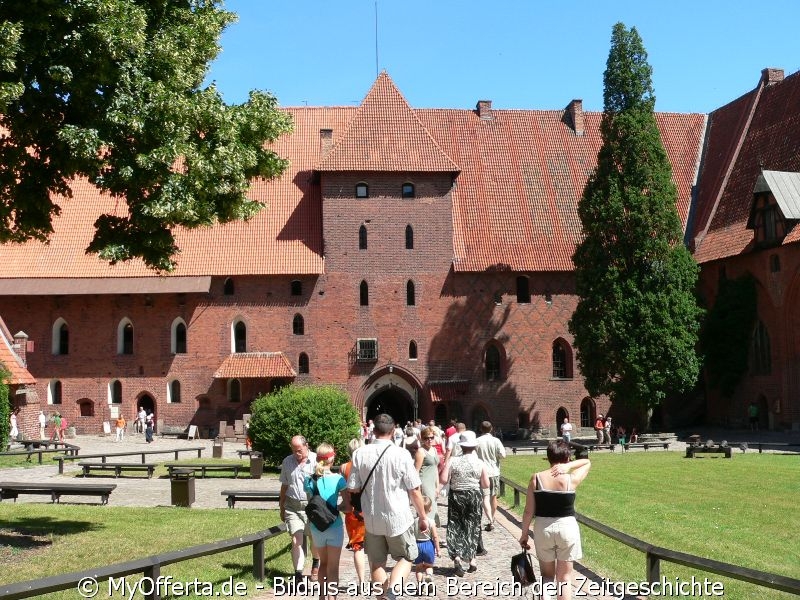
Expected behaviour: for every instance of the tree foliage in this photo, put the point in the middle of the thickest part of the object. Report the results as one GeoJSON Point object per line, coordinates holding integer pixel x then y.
{"type": "Point", "coordinates": [727, 333]}
{"type": "Point", "coordinates": [110, 90]}
{"type": "Point", "coordinates": [5, 409]}
{"type": "Point", "coordinates": [637, 320]}
{"type": "Point", "coordinates": [319, 413]}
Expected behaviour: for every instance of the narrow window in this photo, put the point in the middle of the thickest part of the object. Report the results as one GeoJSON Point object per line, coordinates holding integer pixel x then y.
{"type": "Point", "coordinates": [492, 363]}
{"type": "Point", "coordinates": [761, 351]}
{"type": "Point", "coordinates": [55, 392]}
{"type": "Point", "coordinates": [60, 337]}
{"type": "Point", "coordinates": [411, 298]}
{"type": "Point", "coordinates": [362, 190]}
{"type": "Point", "coordinates": [559, 361]}
{"type": "Point", "coordinates": [408, 190]}
{"type": "Point", "coordinates": [234, 390]}
{"type": "Point", "coordinates": [774, 264]}
{"type": "Point", "coordinates": [86, 407]}
{"type": "Point", "coordinates": [412, 350]}
{"type": "Point", "coordinates": [297, 288]}
{"type": "Point", "coordinates": [362, 238]}
{"type": "Point", "coordinates": [240, 337]}
{"type": "Point", "coordinates": [175, 392]}
{"type": "Point", "coordinates": [298, 325]}
{"type": "Point", "coordinates": [116, 392]}
{"type": "Point", "coordinates": [228, 288]}
{"type": "Point", "coordinates": [302, 364]}
{"type": "Point", "coordinates": [364, 294]}
{"type": "Point", "coordinates": [125, 337]}
{"type": "Point", "coordinates": [180, 339]}
{"type": "Point", "coordinates": [409, 237]}
{"type": "Point", "coordinates": [523, 290]}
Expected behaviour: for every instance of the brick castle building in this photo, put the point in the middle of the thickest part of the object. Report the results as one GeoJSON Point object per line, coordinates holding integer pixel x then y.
{"type": "Point", "coordinates": [419, 258]}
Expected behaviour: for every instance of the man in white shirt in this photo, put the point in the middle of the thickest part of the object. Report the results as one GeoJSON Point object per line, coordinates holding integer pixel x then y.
{"type": "Point", "coordinates": [293, 499]}
{"type": "Point", "coordinates": [385, 500]}
{"type": "Point", "coordinates": [142, 419]}
{"type": "Point", "coordinates": [42, 424]}
{"type": "Point", "coordinates": [453, 447]}
{"type": "Point", "coordinates": [491, 451]}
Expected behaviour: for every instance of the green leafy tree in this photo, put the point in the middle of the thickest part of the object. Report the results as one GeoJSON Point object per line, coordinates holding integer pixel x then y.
{"type": "Point", "coordinates": [728, 332]}
{"type": "Point", "coordinates": [637, 320]}
{"type": "Point", "coordinates": [110, 91]}
{"type": "Point", "coordinates": [5, 409]}
{"type": "Point", "coordinates": [319, 413]}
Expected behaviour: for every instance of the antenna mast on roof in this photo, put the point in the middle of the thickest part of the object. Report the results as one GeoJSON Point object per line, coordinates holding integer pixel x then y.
{"type": "Point", "coordinates": [376, 39]}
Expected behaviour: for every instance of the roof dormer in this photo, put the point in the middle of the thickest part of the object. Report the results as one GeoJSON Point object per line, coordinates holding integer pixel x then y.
{"type": "Point", "coordinates": [775, 207]}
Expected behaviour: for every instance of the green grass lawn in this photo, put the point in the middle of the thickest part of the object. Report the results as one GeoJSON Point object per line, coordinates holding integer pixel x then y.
{"type": "Point", "coordinates": [742, 511]}
{"type": "Point", "coordinates": [38, 540]}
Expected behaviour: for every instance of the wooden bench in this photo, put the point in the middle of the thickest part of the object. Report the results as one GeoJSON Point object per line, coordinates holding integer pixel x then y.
{"type": "Point", "coordinates": [142, 453]}
{"type": "Point", "coordinates": [534, 449]}
{"type": "Point", "coordinates": [205, 467]}
{"type": "Point", "coordinates": [243, 453]}
{"type": "Point", "coordinates": [250, 496]}
{"type": "Point", "coordinates": [12, 489]}
{"type": "Point", "coordinates": [118, 468]}
{"type": "Point", "coordinates": [646, 445]}
{"type": "Point", "coordinates": [691, 451]}
{"type": "Point", "coordinates": [177, 432]}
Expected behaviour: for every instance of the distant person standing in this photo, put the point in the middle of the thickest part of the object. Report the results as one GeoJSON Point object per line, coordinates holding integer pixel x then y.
{"type": "Point", "coordinates": [119, 424]}
{"type": "Point", "coordinates": [14, 430]}
{"type": "Point", "coordinates": [142, 418]}
{"type": "Point", "coordinates": [42, 424]}
{"type": "Point", "coordinates": [148, 430]}
{"type": "Point", "coordinates": [607, 431]}
{"type": "Point", "coordinates": [599, 427]}
{"type": "Point", "coordinates": [566, 430]}
{"type": "Point", "coordinates": [491, 451]}
{"type": "Point", "coordinates": [55, 419]}
{"type": "Point", "coordinates": [752, 414]}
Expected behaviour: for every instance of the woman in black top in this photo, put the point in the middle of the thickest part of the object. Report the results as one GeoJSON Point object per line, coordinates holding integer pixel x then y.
{"type": "Point", "coordinates": [551, 499]}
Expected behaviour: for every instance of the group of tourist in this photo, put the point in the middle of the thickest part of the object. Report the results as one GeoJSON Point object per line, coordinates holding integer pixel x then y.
{"type": "Point", "coordinates": [143, 422]}
{"type": "Point", "coordinates": [388, 493]}
{"type": "Point", "coordinates": [604, 431]}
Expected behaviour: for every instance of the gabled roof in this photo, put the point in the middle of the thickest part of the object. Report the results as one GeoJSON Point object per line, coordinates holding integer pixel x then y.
{"type": "Point", "coordinates": [386, 135]}
{"type": "Point", "coordinates": [769, 142]}
{"type": "Point", "coordinates": [785, 187]}
{"type": "Point", "coordinates": [251, 365]}
{"type": "Point", "coordinates": [19, 374]}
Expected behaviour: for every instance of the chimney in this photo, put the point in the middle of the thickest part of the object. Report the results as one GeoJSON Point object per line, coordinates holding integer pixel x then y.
{"type": "Point", "coordinates": [771, 75]}
{"type": "Point", "coordinates": [484, 108]}
{"type": "Point", "coordinates": [325, 141]}
{"type": "Point", "coordinates": [21, 347]}
{"type": "Point", "coordinates": [575, 110]}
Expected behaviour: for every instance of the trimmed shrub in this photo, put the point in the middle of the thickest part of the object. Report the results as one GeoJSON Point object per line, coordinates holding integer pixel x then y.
{"type": "Point", "coordinates": [320, 413]}
{"type": "Point", "coordinates": [5, 409]}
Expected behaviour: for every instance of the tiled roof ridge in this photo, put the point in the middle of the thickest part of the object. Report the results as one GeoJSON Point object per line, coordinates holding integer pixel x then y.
{"type": "Point", "coordinates": [731, 161]}
{"type": "Point", "coordinates": [383, 81]}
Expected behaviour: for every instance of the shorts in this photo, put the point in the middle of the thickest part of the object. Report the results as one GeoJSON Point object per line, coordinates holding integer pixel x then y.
{"type": "Point", "coordinates": [557, 538]}
{"type": "Point", "coordinates": [355, 532]}
{"type": "Point", "coordinates": [426, 552]}
{"type": "Point", "coordinates": [378, 547]}
{"type": "Point", "coordinates": [332, 536]}
{"type": "Point", "coordinates": [296, 519]}
{"type": "Point", "coordinates": [494, 486]}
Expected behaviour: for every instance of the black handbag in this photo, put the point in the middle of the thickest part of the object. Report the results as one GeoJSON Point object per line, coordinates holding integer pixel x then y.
{"type": "Point", "coordinates": [522, 568]}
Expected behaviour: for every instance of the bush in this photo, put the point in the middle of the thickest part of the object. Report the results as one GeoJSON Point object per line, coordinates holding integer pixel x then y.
{"type": "Point", "coordinates": [320, 413]}
{"type": "Point", "coordinates": [5, 409]}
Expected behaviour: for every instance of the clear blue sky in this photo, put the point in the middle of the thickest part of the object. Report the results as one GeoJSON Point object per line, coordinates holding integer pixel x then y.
{"type": "Point", "coordinates": [525, 54]}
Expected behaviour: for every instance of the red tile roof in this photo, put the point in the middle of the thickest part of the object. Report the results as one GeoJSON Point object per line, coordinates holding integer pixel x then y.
{"type": "Point", "coordinates": [443, 391]}
{"type": "Point", "coordinates": [9, 359]}
{"type": "Point", "coordinates": [770, 142]}
{"type": "Point", "coordinates": [521, 174]}
{"type": "Point", "coordinates": [250, 365]}
{"type": "Point", "coordinates": [386, 135]}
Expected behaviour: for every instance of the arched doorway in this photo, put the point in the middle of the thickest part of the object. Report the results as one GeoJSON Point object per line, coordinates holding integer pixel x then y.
{"type": "Point", "coordinates": [561, 414]}
{"type": "Point", "coordinates": [440, 414]}
{"type": "Point", "coordinates": [146, 402]}
{"type": "Point", "coordinates": [393, 401]}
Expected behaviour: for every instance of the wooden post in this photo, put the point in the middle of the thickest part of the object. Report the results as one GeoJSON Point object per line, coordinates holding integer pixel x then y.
{"type": "Point", "coordinates": [516, 497]}
{"type": "Point", "coordinates": [653, 568]}
{"type": "Point", "coordinates": [153, 573]}
{"type": "Point", "coordinates": [258, 560]}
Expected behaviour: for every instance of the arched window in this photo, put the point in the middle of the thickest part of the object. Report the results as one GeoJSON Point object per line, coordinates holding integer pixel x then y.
{"type": "Point", "coordinates": [178, 337]}
{"type": "Point", "coordinates": [239, 337]}
{"type": "Point", "coordinates": [362, 237]}
{"type": "Point", "coordinates": [492, 363]}
{"type": "Point", "coordinates": [125, 337]}
{"type": "Point", "coordinates": [562, 360]}
{"type": "Point", "coordinates": [234, 390]}
{"type": "Point", "coordinates": [412, 350]}
{"type": "Point", "coordinates": [407, 190]}
{"type": "Point", "coordinates": [587, 412]}
{"type": "Point", "coordinates": [523, 290]}
{"type": "Point", "coordinates": [362, 190]}
{"type": "Point", "coordinates": [409, 237]}
{"type": "Point", "coordinates": [298, 325]}
{"type": "Point", "coordinates": [55, 392]}
{"type": "Point", "coordinates": [115, 392]}
{"type": "Point", "coordinates": [174, 392]}
{"type": "Point", "coordinates": [60, 337]}
{"type": "Point", "coordinates": [302, 364]}
{"type": "Point", "coordinates": [364, 294]}
{"type": "Point", "coordinates": [761, 352]}
{"type": "Point", "coordinates": [411, 296]}
{"type": "Point", "coordinates": [228, 288]}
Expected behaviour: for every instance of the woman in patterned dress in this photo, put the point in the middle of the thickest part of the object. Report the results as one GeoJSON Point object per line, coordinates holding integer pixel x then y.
{"type": "Point", "coordinates": [468, 479]}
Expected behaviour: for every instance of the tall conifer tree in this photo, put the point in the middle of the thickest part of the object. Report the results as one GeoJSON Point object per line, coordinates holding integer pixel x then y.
{"type": "Point", "coordinates": [637, 319]}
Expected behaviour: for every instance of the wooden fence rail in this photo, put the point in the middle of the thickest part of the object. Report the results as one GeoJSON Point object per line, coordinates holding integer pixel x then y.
{"type": "Point", "coordinates": [655, 554]}
{"type": "Point", "coordinates": [149, 567]}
